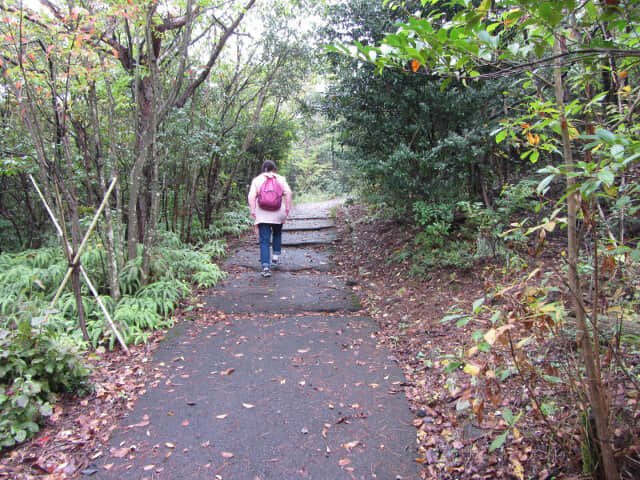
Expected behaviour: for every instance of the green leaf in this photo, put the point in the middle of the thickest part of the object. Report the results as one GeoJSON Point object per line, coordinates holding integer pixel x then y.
{"type": "Point", "coordinates": [507, 414]}
{"type": "Point", "coordinates": [21, 401]}
{"type": "Point", "coordinates": [463, 321]}
{"type": "Point", "coordinates": [501, 135]}
{"type": "Point", "coordinates": [451, 366]}
{"type": "Point", "coordinates": [542, 186]}
{"type": "Point", "coordinates": [548, 408]}
{"type": "Point", "coordinates": [20, 435]}
{"type": "Point", "coordinates": [478, 304]}
{"type": "Point", "coordinates": [607, 177]}
{"type": "Point", "coordinates": [605, 135]}
{"type": "Point", "coordinates": [498, 442]}
{"type": "Point", "coordinates": [535, 155]}
{"type": "Point", "coordinates": [46, 410]}
{"type": "Point", "coordinates": [450, 318]}
{"type": "Point", "coordinates": [484, 36]}
{"type": "Point", "coordinates": [552, 379]}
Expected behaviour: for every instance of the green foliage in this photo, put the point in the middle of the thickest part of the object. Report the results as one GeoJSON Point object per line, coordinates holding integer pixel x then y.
{"type": "Point", "coordinates": [34, 367]}
{"type": "Point", "coordinates": [232, 222]}
{"type": "Point", "coordinates": [405, 137]}
{"type": "Point", "coordinates": [29, 279]}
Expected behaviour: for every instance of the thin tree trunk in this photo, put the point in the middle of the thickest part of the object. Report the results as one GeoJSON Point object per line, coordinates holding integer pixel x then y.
{"type": "Point", "coordinates": [588, 344]}
{"type": "Point", "coordinates": [108, 238]}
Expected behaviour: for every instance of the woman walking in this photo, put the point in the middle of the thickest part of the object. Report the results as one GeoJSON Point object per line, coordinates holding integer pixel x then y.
{"type": "Point", "coordinates": [270, 203]}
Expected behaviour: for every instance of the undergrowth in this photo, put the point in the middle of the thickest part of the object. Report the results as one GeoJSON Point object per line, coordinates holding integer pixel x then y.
{"type": "Point", "coordinates": [41, 359]}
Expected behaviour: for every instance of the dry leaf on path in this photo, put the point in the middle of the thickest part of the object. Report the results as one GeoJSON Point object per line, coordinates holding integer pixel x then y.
{"type": "Point", "coordinates": [351, 445]}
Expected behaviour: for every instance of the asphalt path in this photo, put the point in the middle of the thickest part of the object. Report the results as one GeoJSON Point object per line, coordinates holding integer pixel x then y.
{"type": "Point", "coordinates": [288, 381]}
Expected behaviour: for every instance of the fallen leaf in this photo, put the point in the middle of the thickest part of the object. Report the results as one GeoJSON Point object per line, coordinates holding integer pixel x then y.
{"type": "Point", "coordinates": [42, 441]}
{"type": "Point", "coordinates": [169, 445]}
{"type": "Point", "coordinates": [227, 454]}
{"type": "Point", "coordinates": [303, 350]}
{"type": "Point", "coordinates": [343, 462]}
{"type": "Point", "coordinates": [351, 445]}
{"type": "Point", "coordinates": [247, 405]}
{"type": "Point", "coordinates": [146, 468]}
{"type": "Point", "coordinates": [228, 371]}
{"type": "Point", "coordinates": [120, 452]}
{"type": "Point", "coordinates": [518, 469]}
{"type": "Point", "coordinates": [472, 369]}
{"type": "Point", "coordinates": [185, 423]}
{"type": "Point", "coordinates": [222, 416]}
{"type": "Point", "coordinates": [141, 424]}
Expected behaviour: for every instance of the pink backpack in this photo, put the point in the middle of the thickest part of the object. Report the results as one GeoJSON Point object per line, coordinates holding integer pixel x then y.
{"type": "Point", "coordinates": [270, 194]}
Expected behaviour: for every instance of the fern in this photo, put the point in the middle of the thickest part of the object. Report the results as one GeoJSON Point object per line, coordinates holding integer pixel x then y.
{"type": "Point", "coordinates": [94, 261]}
{"type": "Point", "coordinates": [215, 248]}
{"type": "Point", "coordinates": [165, 294]}
{"type": "Point", "coordinates": [209, 276]}
{"type": "Point", "coordinates": [130, 276]}
{"type": "Point", "coordinates": [234, 222]}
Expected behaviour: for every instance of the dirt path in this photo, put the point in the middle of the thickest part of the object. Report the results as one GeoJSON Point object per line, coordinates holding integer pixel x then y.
{"type": "Point", "coordinates": [274, 378]}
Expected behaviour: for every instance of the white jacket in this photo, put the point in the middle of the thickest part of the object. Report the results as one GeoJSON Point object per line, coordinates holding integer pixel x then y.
{"type": "Point", "coordinates": [267, 216]}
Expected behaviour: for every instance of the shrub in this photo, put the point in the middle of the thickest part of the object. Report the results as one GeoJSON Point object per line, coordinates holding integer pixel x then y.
{"type": "Point", "coordinates": [35, 365]}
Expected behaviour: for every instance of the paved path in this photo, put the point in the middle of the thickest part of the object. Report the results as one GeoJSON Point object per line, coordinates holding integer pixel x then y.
{"type": "Point", "coordinates": [287, 381]}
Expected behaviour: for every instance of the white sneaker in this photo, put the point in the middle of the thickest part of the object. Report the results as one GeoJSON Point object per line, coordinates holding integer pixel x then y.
{"type": "Point", "coordinates": [266, 272]}
{"type": "Point", "coordinates": [275, 260]}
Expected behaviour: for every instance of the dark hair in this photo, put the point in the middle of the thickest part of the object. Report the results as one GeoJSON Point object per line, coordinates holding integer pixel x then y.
{"type": "Point", "coordinates": [268, 166]}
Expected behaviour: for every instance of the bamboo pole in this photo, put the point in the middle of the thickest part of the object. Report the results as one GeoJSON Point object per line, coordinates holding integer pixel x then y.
{"type": "Point", "coordinates": [76, 258]}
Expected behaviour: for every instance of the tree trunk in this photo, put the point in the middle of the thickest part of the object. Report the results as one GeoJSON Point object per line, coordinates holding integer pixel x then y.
{"type": "Point", "coordinates": [136, 175]}
{"type": "Point", "coordinates": [588, 344]}
{"type": "Point", "coordinates": [108, 237]}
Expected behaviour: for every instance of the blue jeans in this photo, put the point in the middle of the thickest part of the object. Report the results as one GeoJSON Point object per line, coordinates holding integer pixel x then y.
{"type": "Point", "coordinates": [266, 229]}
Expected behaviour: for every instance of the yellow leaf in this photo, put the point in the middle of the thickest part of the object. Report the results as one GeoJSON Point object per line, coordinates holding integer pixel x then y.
{"type": "Point", "coordinates": [415, 65]}
{"type": "Point", "coordinates": [472, 351]}
{"type": "Point", "coordinates": [516, 433]}
{"type": "Point", "coordinates": [490, 336]}
{"type": "Point", "coordinates": [518, 469]}
{"type": "Point", "coordinates": [472, 369]}
{"type": "Point", "coordinates": [533, 139]}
